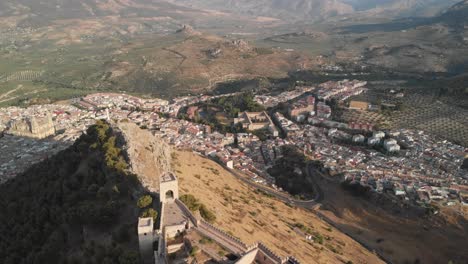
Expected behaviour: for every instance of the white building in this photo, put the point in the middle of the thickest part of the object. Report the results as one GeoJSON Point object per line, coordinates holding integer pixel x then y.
{"type": "Point", "coordinates": [378, 134]}
{"type": "Point", "coordinates": [393, 148]}
{"type": "Point", "coordinates": [389, 142]}
{"type": "Point", "coordinates": [359, 139]}
{"type": "Point", "coordinates": [373, 141]}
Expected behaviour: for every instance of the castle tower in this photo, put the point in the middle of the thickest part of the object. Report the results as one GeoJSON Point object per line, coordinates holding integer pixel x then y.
{"type": "Point", "coordinates": [168, 188]}
{"type": "Point", "coordinates": [146, 239]}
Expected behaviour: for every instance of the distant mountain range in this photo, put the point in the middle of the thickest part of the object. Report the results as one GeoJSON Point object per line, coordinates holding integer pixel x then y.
{"type": "Point", "coordinates": [40, 12]}
{"type": "Point", "coordinates": [456, 16]}
{"type": "Point", "coordinates": [401, 8]}
{"type": "Point", "coordinates": [284, 9]}
{"type": "Point", "coordinates": [297, 10]}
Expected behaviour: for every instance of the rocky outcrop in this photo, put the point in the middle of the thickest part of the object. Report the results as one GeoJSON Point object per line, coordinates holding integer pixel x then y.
{"type": "Point", "coordinates": [188, 30]}
{"type": "Point", "coordinates": [241, 45]}
{"type": "Point", "coordinates": [149, 156]}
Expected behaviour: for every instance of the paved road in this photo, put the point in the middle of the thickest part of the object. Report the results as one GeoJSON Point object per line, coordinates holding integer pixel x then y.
{"type": "Point", "coordinates": [310, 204]}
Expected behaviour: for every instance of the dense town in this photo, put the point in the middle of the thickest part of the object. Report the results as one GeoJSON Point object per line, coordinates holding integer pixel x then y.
{"type": "Point", "coordinates": [409, 164]}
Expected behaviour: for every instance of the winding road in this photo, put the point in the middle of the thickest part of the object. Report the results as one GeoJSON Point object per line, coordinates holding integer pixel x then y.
{"type": "Point", "coordinates": [307, 204]}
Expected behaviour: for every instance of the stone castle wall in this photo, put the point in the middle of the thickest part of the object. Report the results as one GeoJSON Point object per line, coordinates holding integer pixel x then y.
{"type": "Point", "coordinates": [224, 235]}
{"type": "Point", "coordinates": [187, 212]}
{"type": "Point", "coordinates": [267, 256]}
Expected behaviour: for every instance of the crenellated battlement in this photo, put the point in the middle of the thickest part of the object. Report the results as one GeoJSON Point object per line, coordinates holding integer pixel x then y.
{"type": "Point", "coordinates": [267, 251]}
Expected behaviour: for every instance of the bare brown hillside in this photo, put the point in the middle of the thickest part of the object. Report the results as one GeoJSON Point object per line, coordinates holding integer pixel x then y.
{"type": "Point", "coordinates": [195, 63]}
{"type": "Point", "coordinates": [402, 237]}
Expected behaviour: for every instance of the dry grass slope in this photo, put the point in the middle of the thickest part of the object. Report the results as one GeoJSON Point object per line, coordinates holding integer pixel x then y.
{"type": "Point", "coordinates": [255, 217]}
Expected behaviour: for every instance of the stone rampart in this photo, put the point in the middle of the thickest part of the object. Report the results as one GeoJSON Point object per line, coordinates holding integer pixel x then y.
{"type": "Point", "coordinates": [269, 253]}
{"type": "Point", "coordinates": [224, 235]}
{"type": "Point", "coordinates": [187, 212]}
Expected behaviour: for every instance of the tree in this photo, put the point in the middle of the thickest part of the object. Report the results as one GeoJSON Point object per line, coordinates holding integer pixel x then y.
{"type": "Point", "coordinates": [122, 235]}
{"type": "Point", "coordinates": [120, 164]}
{"type": "Point", "coordinates": [150, 212]}
{"type": "Point", "coordinates": [207, 214]}
{"type": "Point", "coordinates": [129, 257]}
{"type": "Point", "coordinates": [194, 205]}
{"type": "Point", "coordinates": [145, 201]}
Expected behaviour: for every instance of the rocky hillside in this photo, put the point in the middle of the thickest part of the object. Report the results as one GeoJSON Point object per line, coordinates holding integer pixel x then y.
{"type": "Point", "coordinates": [128, 45]}
{"type": "Point", "coordinates": [150, 156]}
{"type": "Point", "coordinates": [37, 13]}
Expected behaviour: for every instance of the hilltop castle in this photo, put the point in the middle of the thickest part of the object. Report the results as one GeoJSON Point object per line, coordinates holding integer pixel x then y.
{"type": "Point", "coordinates": [34, 127]}
{"type": "Point", "coordinates": [176, 221]}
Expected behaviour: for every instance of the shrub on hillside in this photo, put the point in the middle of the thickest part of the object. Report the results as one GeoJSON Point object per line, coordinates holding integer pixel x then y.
{"type": "Point", "coordinates": [194, 205]}
{"type": "Point", "coordinates": [207, 214]}
{"type": "Point", "coordinates": [191, 202]}
{"type": "Point", "coordinates": [145, 201]}
{"type": "Point", "coordinates": [150, 212]}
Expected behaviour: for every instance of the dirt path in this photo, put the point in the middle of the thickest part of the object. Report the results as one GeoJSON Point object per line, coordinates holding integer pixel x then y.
{"type": "Point", "coordinates": [180, 55]}
{"type": "Point", "coordinates": [10, 92]}
{"type": "Point", "coordinates": [28, 93]}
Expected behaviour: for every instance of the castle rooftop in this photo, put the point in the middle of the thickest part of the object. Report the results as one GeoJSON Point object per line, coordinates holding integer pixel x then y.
{"type": "Point", "coordinates": [168, 177]}
{"type": "Point", "coordinates": [145, 225]}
